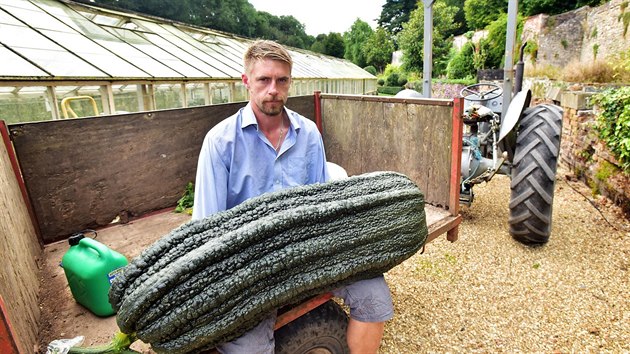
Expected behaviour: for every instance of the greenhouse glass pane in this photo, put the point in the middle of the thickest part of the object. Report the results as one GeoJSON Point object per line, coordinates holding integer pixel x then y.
{"type": "Point", "coordinates": [138, 58]}
{"type": "Point", "coordinates": [48, 55]}
{"type": "Point", "coordinates": [14, 65]}
{"type": "Point", "coordinates": [22, 36]}
{"type": "Point", "coordinates": [114, 65]}
{"type": "Point", "coordinates": [7, 19]}
{"type": "Point", "coordinates": [226, 65]}
{"type": "Point", "coordinates": [182, 50]}
{"type": "Point", "coordinates": [220, 93]}
{"type": "Point", "coordinates": [24, 4]}
{"type": "Point", "coordinates": [95, 54]}
{"type": "Point", "coordinates": [106, 20]}
{"type": "Point", "coordinates": [81, 107]}
{"type": "Point", "coordinates": [140, 41]}
{"type": "Point", "coordinates": [35, 17]}
{"type": "Point", "coordinates": [126, 98]}
{"type": "Point", "coordinates": [196, 95]}
{"type": "Point", "coordinates": [181, 56]}
{"type": "Point", "coordinates": [60, 63]}
{"type": "Point", "coordinates": [21, 104]}
{"type": "Point", "coordinates": [231, 46]}
{"type": "Point", "coordinates": [167, 96]}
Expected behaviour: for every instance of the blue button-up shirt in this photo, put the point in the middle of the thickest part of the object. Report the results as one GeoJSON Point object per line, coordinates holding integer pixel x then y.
{"type": "Point", "coordinates": [237, 161]}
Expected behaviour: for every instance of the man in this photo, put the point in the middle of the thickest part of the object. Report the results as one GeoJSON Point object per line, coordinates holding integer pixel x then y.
{"type": "Point", "coordinates": [266, 147]}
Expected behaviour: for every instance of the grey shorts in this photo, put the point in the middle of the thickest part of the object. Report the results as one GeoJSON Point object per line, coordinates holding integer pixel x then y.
{"type": "Point", "coordinates": [369, 301]}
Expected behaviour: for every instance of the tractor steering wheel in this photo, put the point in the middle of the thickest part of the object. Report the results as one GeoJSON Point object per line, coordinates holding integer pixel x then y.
{"type": "Point", "coordinates": [477, 92]}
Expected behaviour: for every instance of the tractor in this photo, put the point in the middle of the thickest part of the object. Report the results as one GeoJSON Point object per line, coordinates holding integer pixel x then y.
{"type": "Point", "coordinates": [504, 135]}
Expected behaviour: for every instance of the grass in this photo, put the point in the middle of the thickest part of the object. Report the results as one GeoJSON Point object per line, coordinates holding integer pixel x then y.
{"type": "Point", "coordinates": [610, 70]}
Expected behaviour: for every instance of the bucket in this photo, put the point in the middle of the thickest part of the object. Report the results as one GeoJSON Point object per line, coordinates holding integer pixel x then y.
{"type": "Point", "coordinates": [90, 267]}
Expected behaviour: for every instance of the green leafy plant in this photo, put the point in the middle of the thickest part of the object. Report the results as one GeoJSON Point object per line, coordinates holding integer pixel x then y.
{"type": "Point", "coordinates": [392, 79]}
{"type": "Point", "coordinates": [185, 203]}
{"type": "Point", "coordinates": [371, 69]}
{"type": "Point", "coordinates": [388, 90]}
{"type": "Point", "coordinates": [595, 50]}
{"type": "Point", "coordinates": [613, 122]}
{"type": "Point", "coordinates": [462, 64]}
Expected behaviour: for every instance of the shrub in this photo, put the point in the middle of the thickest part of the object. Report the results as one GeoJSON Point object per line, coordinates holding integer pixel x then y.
{"type": "Point", "coordinates": [613, 123]}
{"type": "Point", "coordinates": [462, 66]}
{"type": "Point", "coordinates": [380, 82]}
{"type": "Point", "coordinates": [392, 79]}
{"type": "Point", "coordinates": [549, 71]}
{"type": "Point", "coordinates": [388, 90]}
{"type": "Point", "coordinates": [371, 69]}
{"type": "Point", "coordinates": [592, 71]}
{"type": "Point", "coordinates": [402, 80]}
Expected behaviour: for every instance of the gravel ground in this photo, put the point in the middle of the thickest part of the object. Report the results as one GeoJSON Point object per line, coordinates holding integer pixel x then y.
{"type": "Point", "coordinates": [488, 293]}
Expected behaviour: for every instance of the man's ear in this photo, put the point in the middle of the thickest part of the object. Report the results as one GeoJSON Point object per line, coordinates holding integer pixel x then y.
{"type": "Point", "coordinates": [245, 80]}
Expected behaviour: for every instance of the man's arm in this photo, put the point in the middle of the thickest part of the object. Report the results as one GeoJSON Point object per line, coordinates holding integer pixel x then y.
{"type": "Point", "coordinates": [211, 182]}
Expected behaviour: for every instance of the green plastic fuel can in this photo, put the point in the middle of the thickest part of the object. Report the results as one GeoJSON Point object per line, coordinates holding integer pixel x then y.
{"type": "Point", "coordinates": [90, 267]}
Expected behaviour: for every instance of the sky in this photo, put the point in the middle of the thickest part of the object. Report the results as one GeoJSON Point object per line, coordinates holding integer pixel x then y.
{"type": "Point", "coordinates": [324, 16]}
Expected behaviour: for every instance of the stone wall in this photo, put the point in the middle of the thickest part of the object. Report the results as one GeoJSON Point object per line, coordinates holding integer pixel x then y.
{"type": "Point", "coordinates": [582, 34]}
{"type": "Point", "coordinates": [559, 37]}
{"type": "Point", "coordinates": [606, 32]}
{"type": "Point", "coordinates": [588, 157]}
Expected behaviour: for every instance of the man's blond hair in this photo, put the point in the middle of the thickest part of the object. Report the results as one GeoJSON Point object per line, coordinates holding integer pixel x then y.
{"type": "Point", "coordinates": [265, 49]}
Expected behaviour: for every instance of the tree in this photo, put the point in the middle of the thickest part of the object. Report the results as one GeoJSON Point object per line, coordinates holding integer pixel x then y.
{"type": "Point", "coordinates": [334, 45]}
{"type": "Point", "coordinates": [462, 65]}
{"type": "Point", "coordinates": [493, 46]}
{"type": "Point", "coordinates": [411, 38]}
{"type": "Point", "coordinates": [378, 49]}
{"type": "Point", "coordinates": [395, 13]}
{"type": "Point", "coordinates": [460, 17]}
{"type": "Point", "coordinates": [319, 45]}
{"type": "Point", "coordinates": [480, 13]}
{"type": "Point", "coordinates": [553, 7]}
{"type": "Point", "coordinates": [329, 44]}
{"type": "Point", "coordinates": [235, 16]}
{"type": "Point", "coordinates": [354, 41]}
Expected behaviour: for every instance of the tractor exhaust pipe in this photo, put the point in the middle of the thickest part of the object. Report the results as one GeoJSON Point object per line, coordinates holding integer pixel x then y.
{"type": "Point", "coordinates": [519, 69]}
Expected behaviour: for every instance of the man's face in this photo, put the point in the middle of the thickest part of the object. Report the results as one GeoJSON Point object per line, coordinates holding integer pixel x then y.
{"type": "Point", "coordinates": [268, 83]}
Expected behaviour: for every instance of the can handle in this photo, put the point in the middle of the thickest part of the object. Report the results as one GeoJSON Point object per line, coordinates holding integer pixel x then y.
{"type": "Point", "coordinates": [102, 250]}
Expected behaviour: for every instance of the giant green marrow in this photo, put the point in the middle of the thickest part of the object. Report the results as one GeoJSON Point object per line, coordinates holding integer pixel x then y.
{"type": "Point", "coordinates": [210, 280]}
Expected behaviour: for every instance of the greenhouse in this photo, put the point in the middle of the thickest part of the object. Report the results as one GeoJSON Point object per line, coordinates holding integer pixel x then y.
{"type": "Point", "coordinates": [62, 59]}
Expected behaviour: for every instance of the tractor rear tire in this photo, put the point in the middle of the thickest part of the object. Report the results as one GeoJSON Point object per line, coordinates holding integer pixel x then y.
{"type": "Point", "coordinates": [320, 331]}
{"type": "Point", "coordinates": [534, 174]}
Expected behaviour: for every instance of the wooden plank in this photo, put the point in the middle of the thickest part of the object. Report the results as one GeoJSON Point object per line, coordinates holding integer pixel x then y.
{"type": "Point", "coordinates": [340, 140]}
{"type": "Point", "coordinates": [304, 105]}
{"type": "Point", "coordinates": [404, 136]}
{"type": "Point", "coordinates": [20, 250]}
{"type": "Point", "coordinates": [438, 119]}
{"type": "Point", "coordinates": [62, 316]}
{"type": "Point", "coordinates": [419, 132]}
{"type": "Point", "coordinates": [8, 343]}
{"type": "Point", "coordinates": [82, 173]}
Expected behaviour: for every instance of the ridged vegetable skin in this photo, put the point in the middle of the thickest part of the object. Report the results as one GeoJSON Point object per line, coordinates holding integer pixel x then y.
{"type": "Point", "coordinates": [210, 280]}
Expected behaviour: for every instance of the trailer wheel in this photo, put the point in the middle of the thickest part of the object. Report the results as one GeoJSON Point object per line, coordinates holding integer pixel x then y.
{"type": "Point", "coordinates": [320, 331]}
{"type": "Point", "coordinates": [534, 174]}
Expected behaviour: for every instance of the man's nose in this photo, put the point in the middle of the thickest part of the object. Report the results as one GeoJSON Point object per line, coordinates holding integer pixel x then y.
{"type": "Point", "coordinates": [273, 87]}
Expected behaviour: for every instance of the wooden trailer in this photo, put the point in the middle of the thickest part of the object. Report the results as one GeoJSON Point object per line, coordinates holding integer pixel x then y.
{"type": "Point", "coordinates": [122, 175]}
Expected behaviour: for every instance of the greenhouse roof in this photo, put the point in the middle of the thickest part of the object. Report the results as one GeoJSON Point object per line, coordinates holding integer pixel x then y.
{"type": "Point", "coordinates": [55, 40]}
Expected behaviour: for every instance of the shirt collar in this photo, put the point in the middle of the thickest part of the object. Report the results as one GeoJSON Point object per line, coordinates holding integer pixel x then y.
{"type": "Point", "coordinates": [248, 117]}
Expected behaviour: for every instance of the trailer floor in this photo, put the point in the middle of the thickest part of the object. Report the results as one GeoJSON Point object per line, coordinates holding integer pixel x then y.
{"type": "Point", "coordinates": [62, 317]}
